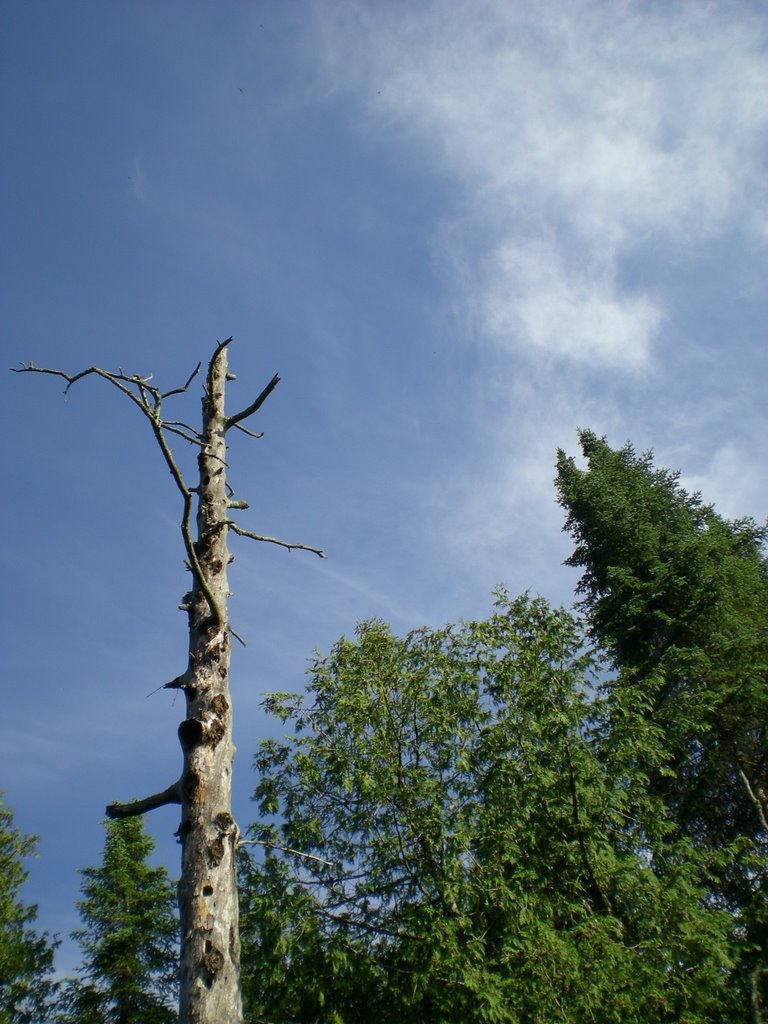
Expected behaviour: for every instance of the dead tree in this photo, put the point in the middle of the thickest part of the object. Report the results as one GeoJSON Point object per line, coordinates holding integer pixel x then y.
{"type": "Point", "coordinates": [208, 907]}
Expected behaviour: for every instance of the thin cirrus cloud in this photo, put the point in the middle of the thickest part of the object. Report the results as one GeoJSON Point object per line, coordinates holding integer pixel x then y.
{"type": "Point", "coordinates": [579, 313]}
{"type": "Point", "coordinates": [578, 133]}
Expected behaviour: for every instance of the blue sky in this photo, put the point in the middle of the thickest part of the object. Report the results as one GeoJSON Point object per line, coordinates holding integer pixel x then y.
{"type": "Point", "coordinates": [459, 231]}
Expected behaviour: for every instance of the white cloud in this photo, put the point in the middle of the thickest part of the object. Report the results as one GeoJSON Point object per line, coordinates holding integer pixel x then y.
{"type": "Point", "coordinates": [532, 297]}
{"type": "Point", "coordinates": [573, 128]}
{"type": "Point", "coordinates": [732, 482]}
{"type": "Point", "coordinates": [593, 151]}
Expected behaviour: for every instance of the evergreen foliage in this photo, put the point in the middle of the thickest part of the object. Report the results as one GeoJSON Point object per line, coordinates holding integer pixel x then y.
{"type": "Point", "coordinates": [129, 939]}
{"type": "Point", "coordinates": [444, 840]}
{"type": "Point", "coordinates": [27, 988]}
{"type": "Point", "coordinates": [533, 818]}
{"type": "Point", "coordinates": [679, 598]}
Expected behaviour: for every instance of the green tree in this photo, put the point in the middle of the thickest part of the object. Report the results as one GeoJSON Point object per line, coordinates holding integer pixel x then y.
{"type": "Point", "coordinates": [130, 935]}
{"type": "Point", "coordinates": [27, 988]}
{"type": "Point", "coordinates": [441, 840]}
{"type": "Point", "coordinates": [678, 596]}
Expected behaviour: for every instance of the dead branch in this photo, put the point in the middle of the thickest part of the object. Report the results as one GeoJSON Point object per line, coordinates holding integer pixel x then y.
{"type": "Point", "coordinates": [152, 411]}
{"type": "Point", "coordinates": [274, 540]}
{"type": "Point", "coordinates": [250, 433]}
{"type": "Point", "coordinates": [179, 391]}
{"type": "Point", "coordinates": [72, 378]}
{"type": "Point", "coordinates": [173, 429]}
{"type": "Point", "coordinates": [284, 849]}
{"type": "Point", "coordinates": [186, 494]}
{"type": "Point", "coordinates": [171, 795]}
{"type": "Point", "coordinates": [757, 803]}
{"type": "Point", "coordinates": [238, 637]}
{"type": "Point", "coordinates": [232, 421]}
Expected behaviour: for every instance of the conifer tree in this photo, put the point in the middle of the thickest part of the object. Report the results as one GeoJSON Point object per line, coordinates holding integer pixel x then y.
{"type": "Point", "coordinates": [26, 957]}
{"type": "Point", "coordinates": [129, 936]}
{"type": "Point", "coordinates": [678, 597]}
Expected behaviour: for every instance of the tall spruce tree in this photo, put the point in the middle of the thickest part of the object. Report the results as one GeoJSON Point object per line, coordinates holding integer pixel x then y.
{"type": "Point", "coordinates": [679, 598]}
{"type": "Point", "coordinates": [129, 936]}
{"type": "Point", "coordinates": [27, 988]}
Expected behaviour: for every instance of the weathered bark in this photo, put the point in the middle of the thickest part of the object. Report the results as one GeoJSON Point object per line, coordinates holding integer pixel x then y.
{"type": "Point", "coordinates": [210, 944]}
{"type": "Point", "coordinates": [208, 903]}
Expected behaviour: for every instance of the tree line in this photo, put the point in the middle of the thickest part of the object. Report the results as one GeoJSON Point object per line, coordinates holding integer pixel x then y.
{"type": "Point", "coordinates": [546, 816]}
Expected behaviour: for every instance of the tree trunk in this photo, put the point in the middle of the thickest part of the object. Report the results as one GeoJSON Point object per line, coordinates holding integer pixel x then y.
{"type": "Point", "coordinates": [208, 906]}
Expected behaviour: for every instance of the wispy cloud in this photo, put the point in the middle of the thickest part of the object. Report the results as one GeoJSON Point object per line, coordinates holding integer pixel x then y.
{"type": "Point", "coordinates": [593, 152]}
{"type": "Point", "coordinates": [533, 297]}
{"type": "Point", "coordinates": [138, 180]}
{"type": "Point", "coordinates": [577, 133]}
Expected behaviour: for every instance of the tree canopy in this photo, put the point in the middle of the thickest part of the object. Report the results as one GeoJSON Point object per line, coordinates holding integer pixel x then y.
{"type": "Point", "coordinates": [540, 817]}
{"type": "Point", "coordinates": [444, 840]}
{"type": "Point", "coordinates": [27, 987]}
{"type": "Point", "coordinates": [678, 596]}
{"type": "Point", "coordinates": [129, 937]}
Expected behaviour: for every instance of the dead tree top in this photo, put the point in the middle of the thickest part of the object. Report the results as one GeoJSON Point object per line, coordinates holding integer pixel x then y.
{"type": "Point", "coordinates": [149, 399]}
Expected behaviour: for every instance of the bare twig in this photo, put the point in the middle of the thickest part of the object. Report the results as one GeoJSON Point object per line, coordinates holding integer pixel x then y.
{"type": "Point", "coordinates": [232, 421]}
{"type": "Point", "coordinates": [758, 805]}
{"type": "Point", "coordinates": [250, 433]}
{"type": "Point", "coordinates": [152, 411]}
{"type": "Point", "coordinates": [175, 684]}
{"type": "Point", "coordinates": [167, 425]}
{"type": "Point", "coordinates": [185, 532]}
{"type": "Point", "coordinates": [238, 637]}
{"type": "Point", "coordinates": [185, 426]}
{"type": "Point", "coordinates": [284, 849]}
{"type": "Point", "coordinates": [274, 540]}
{"type": "Point", "coordinates": [179, 391]}
{"type": "Point", "coordinates": [72, 378]}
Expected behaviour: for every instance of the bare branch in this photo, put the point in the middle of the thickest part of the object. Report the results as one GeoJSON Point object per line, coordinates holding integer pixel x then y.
{"type": "Point", "coordinates": [186, 494]}
{"type": "Point", "coordinates": [72, 378]}
{"type": "Point", "coordinates": [183, 425]}
{"type": "Point", "coordinates": [120, 380]}
{"type": "Point", "coordinates": [284, 849]}
{"type": "Point", "coordinates": [758, 804]}
{"type": "Point", "coordinates": [238, 637]}
{"type": "Point", "coordinates": [274, 540]}
{"type": "Point", "coordinates": [232, 421]}
{"type": "Point", "coordinates": [171, 428]}
{"type": "Point", "coordinates": [250, 433]}
{"type": "Point", "coordinates": [171, 795]}
{"type": "Point", "coordinates": [180, 391]}
{"type": "Point", "coordinates": [175, 684]}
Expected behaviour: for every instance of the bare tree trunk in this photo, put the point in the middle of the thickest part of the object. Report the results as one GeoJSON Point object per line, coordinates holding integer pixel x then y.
{"type": "Point", "coordinates": [208, 906]}
{"type": "Point", "coordinates": [208, 899]}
